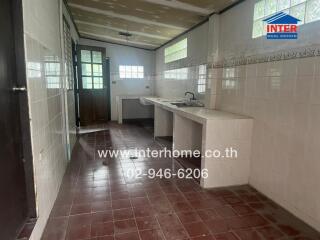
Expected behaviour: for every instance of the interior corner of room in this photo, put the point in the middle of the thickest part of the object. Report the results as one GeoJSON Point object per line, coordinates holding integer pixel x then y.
{"type": "Point", "coordinates": [81, 76]}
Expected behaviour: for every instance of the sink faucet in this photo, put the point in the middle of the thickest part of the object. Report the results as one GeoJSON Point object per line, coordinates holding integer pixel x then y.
{"type": "Point", "coordinates": [191, 93]}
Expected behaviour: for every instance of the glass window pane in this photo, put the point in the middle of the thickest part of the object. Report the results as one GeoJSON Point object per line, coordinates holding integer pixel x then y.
{"type": "Point", "coordinates": [98, 82]}
{"type": "Point", "coordinates": [140, 69]}
{"type": "Point", "coordinates": [128, 72]}
{"type": "Point", "coordinates": [177, 51]}
{"type": "Point", "coordinates": [283, 4]}
{"type": "Point", "coordinates": [134, 69]}
{"type": "Point", "coordinates": [122, 74]}
{"type": "Point", "coordinates": [85, 56]}
{"type": "Point", "coordinates": [296, 2]}
{"type": "Point", "coordinates": [53, 82]}
{"type": "Point", "coordinates": [298, 12]}
{"type": "Point", "coordinates": [97, 69]}
{"type": "Point", "coordinates": [271, 7]}
{"type": "Point", "coordinates": [96, 57]}
{"type": "Point", "coordinates": [128, 69]}
{"type": "Point", "coordinates": [134, 74]}
{"type": "Point", "coordinates": [259, 10]}
{"type": "Point", "coordinates": [122, 68]}
{"type": "Point", "coordinates": [257, 29]}
{"type": "Point", "coordinates": [140, 75]}
{"type": "Point", "coordinates": [313, 11]}
{"type": "Point", "coordinates": [86, 69]}
{"type": "Point", "coordinates": [87, 82]}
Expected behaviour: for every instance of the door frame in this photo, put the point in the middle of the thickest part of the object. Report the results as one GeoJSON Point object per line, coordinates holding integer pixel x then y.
{"type": "Point", "coordinates": [108, 84]}
{"type": "Point", "coordinates": [76, 82]}
{"type": "Point", "coordinates": [26, 154]}
{"type": "Point", "coordinates": [106, 77]}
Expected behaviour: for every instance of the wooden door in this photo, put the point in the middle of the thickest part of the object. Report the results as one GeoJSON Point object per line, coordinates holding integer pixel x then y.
{"type": "Point", "coordinates": [13, 193]}
{"type": "Point", "coordinates": [92, 86]}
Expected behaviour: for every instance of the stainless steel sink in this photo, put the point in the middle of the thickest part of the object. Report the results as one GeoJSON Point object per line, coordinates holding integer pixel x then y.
{"type": "Point", "coordinates": [187, 104]}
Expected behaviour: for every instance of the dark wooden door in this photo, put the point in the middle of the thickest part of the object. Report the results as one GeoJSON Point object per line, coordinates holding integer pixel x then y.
{"type": "Point", "coordinates": [92, 85]}
{"type": "Point", "coordinates": [13, 196]}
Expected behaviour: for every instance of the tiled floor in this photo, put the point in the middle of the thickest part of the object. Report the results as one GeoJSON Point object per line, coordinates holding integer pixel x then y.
{"type": "Point", "coordinates": [27, 229]}
{"type": "Point", "coordinates": [100, 202]}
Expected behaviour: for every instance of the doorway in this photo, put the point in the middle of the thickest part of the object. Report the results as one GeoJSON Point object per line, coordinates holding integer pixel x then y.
{"type": "Point", "coordinates": [17, 201]}
{"type": "Point", "coordinates": [93, 86]}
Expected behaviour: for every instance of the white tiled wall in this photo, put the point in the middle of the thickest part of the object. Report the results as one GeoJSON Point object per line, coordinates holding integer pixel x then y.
{"type": "Point", "coordinates": [197, 55]}
{"type": "Point", "coordinates": [42, 41]}
{"type": "Point", "coordinates": [49, 152]}
{"type": "Point", "coordinates": [284, 99]}
{"type": "Point", "coordinates": [122, 55]}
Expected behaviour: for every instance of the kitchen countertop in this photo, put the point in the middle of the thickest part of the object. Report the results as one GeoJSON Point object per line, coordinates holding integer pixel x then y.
{"type": "Point", "coordinates": [198, 114]}
{"type": "Point", "coordinates": [119, 100]}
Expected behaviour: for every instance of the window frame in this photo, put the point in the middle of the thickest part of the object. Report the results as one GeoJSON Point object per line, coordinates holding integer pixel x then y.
{"type": "Point", "coordinates": [258, 20]}
{"type": "Point", "coordinates": [177, 73]}
{"type": "Point", "coordinates": [126, 72]}
{"type": "Point", "coordinates": [202, 79]}
{"type": "Point", "coordinates": [52, 71]}
{"type": "Point", "coordinates": [100, 85]}
{"type": "Point", "coordinates": [171, 53]}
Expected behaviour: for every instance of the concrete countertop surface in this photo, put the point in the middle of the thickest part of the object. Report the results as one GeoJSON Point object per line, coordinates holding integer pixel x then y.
{"type": "Point", "coordinates": [199, 114]}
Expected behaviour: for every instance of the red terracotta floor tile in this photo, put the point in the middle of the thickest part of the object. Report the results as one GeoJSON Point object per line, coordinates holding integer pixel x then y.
{"type": "Point", "coordinates": [232, 199]}
{"type": "Point", "coordinates": [176, 197]}
{"type": "Point", "coordinates": [147, 223]}
{"type": "Point", "coordinates": [289, 230]}
{"type": "Point", "coordinates": [139, 201]}
{"type": "Point", "coordinates": [101, 206]}
{"type": "Point", "coordinates": [188, 217]}
{"type": "Point", "coordinates": [120, 204]}
{"type": "Point", "coordinates": [101, 217]}
{"type": "Point", "coordinates": [102, 229]}
{"type": "Point", "coordinates": [270, 233]}
{"type": "Point", "coordinates": [143, 211]}
{"type": "Point", "coordinates": [176, 233]}
{"type": "Point", "coordinates": [122, 214]}
{"type": "Point", "coordinates": [248, 235]}
{"type": "Point", "coordinates": [243, 209]}
{"type": "Point", "coordinates": [103, 238]}
{"type": "Point", "coordinates": [127, 236]}
{"type": "Point", "coordinates": [151, 235]}
{"type": "Point", "coordinates": [60, 211]}
{"type": "Point", "coordinates": [225, 236]}
{"type": "Point", "coordinates": [246, 221]}
{"type": "Point", "coordinates": [168, 220]}
{"type": "Point", "coordinates": [26, 231]}
{"type": "Point", "coordinates": [197, 229]}
{"type": "Point", "coordinates": [225, 211]}
{"type": "Point", "coordinates": [79, 232]}
{"type": "Point", "coordinates": [203, 238]}
{"type": "Point", "coordinates": [208, 214]}
{"type": "Point", "coordinates": [120, 195]}
{"type": "Point", "coordinates": [249, 198]}
{"type": "Point", "coordinates": [80, 220]}
{"type": "Point", "coordinates": [169, 209]}
{"type": "Point", "coordinates": [80, 209]}
{"type": "Point", "coordinates": [217, 226]}
{"type": "Point", "coordinates": [125, 226]}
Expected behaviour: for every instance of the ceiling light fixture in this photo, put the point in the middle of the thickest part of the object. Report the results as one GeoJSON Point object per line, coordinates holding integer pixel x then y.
{"type": "Point", "coordinates": [127, 35]}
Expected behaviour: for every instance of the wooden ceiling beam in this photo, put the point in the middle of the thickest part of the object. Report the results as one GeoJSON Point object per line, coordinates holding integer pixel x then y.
{"type": "Point", "coordinates": [182, 6]}
{"type": "Point", "coordinates": [108, 38]}
{"type": "Point", "coordinates": [125, 17]}
{"type": "Point", "coordinates": [143, 34]}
